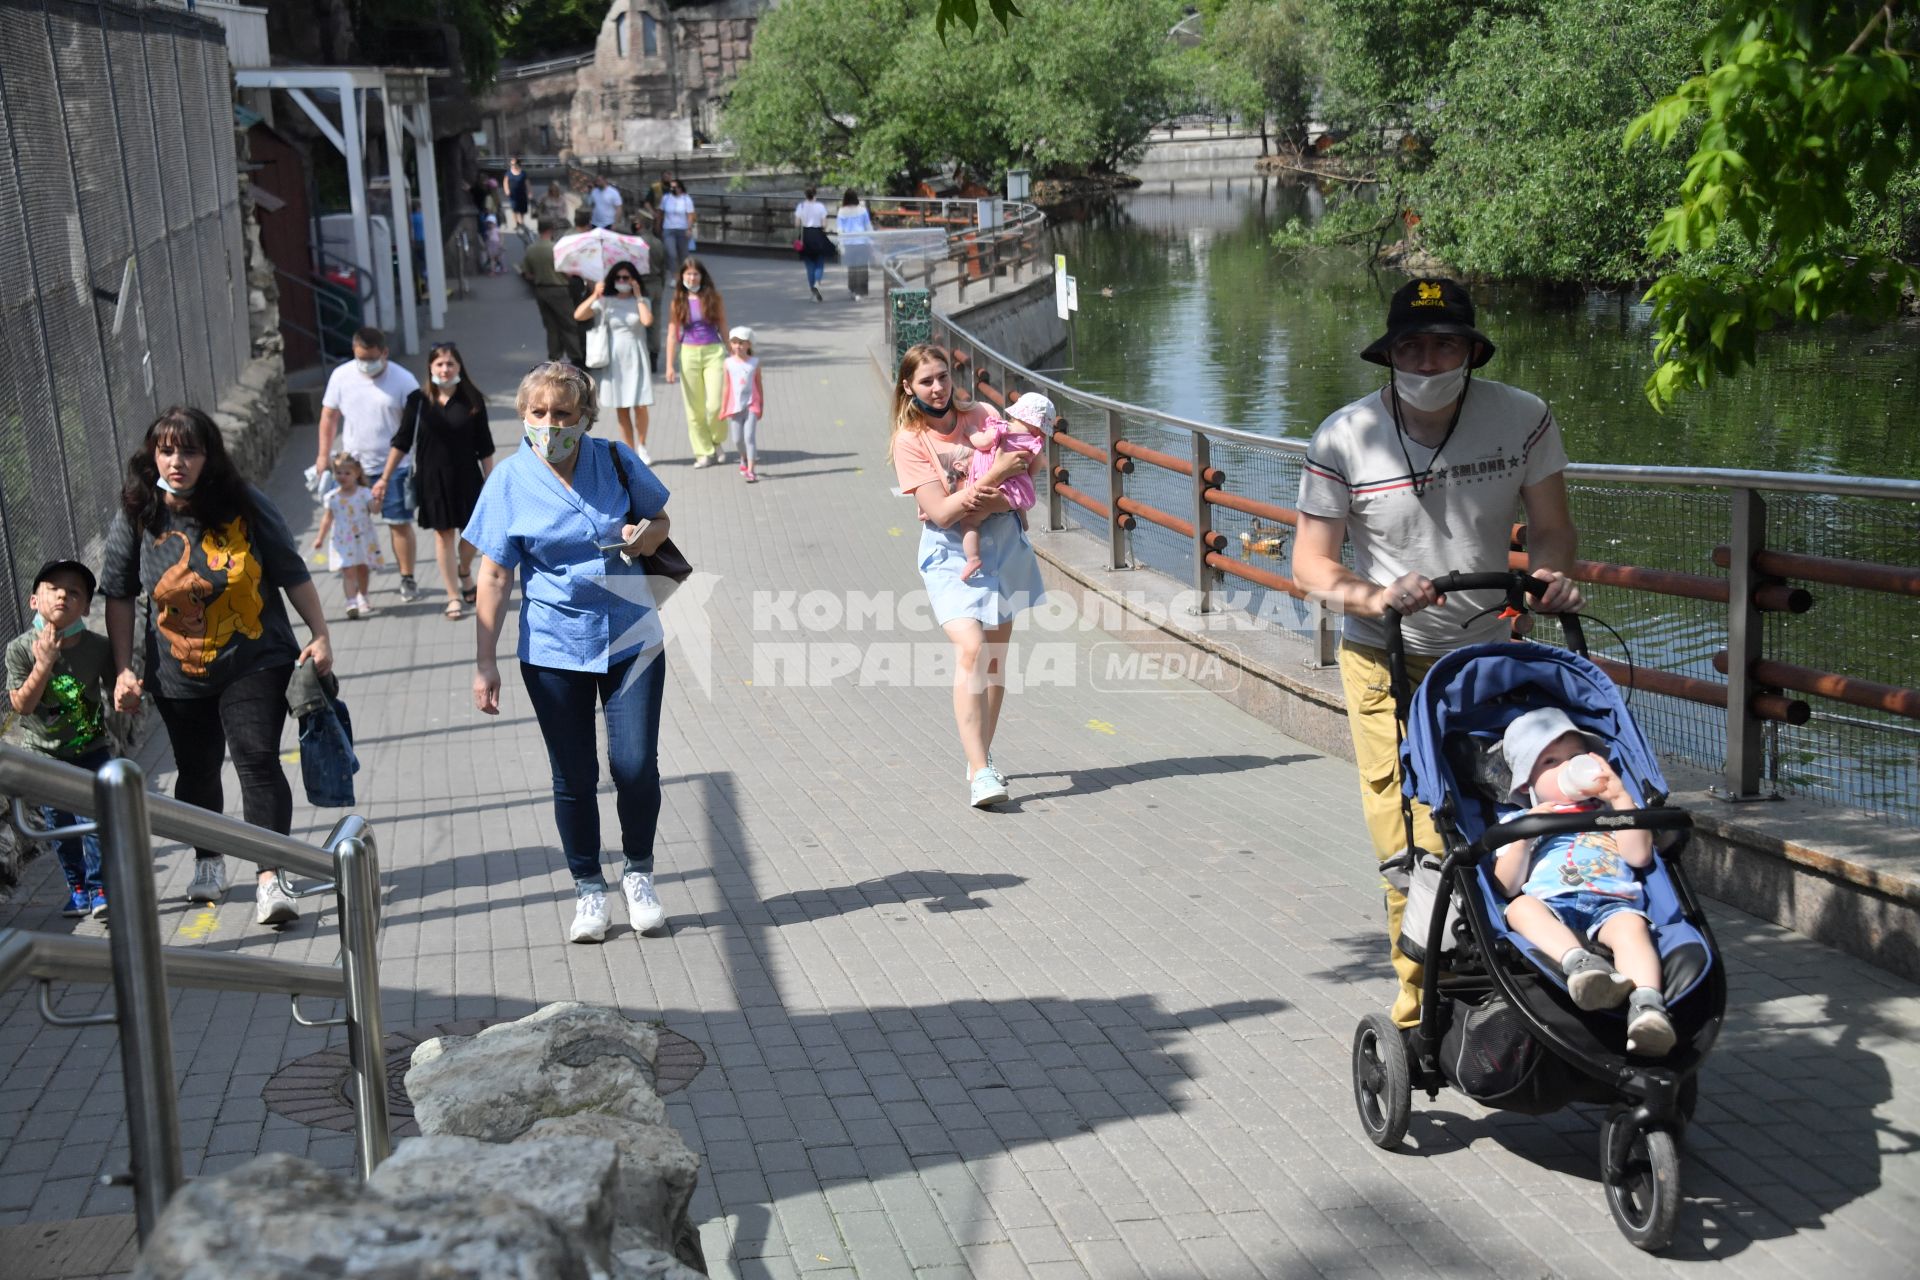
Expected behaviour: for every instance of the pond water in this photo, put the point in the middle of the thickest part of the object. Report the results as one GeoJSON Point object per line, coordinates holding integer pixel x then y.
{"type": "Point", "coordinates": [1186, 307]}
{"type": "Point", "coordinates": [1208, 321]}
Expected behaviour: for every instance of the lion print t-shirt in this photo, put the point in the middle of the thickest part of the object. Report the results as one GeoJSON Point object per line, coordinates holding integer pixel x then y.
{"type": "Point", "coordinates": [214, 612]}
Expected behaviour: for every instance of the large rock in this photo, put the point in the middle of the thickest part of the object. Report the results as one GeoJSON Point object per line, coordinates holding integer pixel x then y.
{"type": "Point", "coordinates": [655, 1185]}
{"type": "Point", "coordinates": [570, 1179]}
{"type": "Point", "coordinates": [561, 1060]}
{"type": "Point", "coordinates": [279, 1217]}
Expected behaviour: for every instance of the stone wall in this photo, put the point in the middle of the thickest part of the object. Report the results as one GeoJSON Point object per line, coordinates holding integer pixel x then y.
{"type": "Point", "coordinates": [517, 111]}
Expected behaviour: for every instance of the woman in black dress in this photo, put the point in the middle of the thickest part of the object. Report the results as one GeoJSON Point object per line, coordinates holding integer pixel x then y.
{"type": "Point", "coordinates": [445, 425]}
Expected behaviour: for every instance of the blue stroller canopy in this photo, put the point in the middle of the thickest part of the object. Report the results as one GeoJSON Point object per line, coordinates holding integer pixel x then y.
{"type": "Point", "coordinates": [1480, 689]}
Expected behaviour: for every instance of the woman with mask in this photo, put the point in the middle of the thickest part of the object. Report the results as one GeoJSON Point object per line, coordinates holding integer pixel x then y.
{"type": "Point", "coordinates": [444, 426]}
{"type": "Point", "coordinates": [213, 557]}
{"type": "Point", "coordinates": [626, 381]}
{"type": "Point", "coordinates": [574, 515]}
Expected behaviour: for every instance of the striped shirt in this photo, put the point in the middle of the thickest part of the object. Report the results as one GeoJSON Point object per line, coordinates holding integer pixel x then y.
{"type": "Point", "coordinates": [1415, 509]}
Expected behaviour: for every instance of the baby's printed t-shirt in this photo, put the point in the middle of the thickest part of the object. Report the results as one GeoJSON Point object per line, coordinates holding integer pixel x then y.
{"type": "Point", "coordinates": [1579, 862]}
{"type": "Point", "coordinates": [923, 456]}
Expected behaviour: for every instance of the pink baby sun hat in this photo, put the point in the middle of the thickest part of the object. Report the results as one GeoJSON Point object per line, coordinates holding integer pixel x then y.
{"type": "Point", "coordinates": [1033, 409]}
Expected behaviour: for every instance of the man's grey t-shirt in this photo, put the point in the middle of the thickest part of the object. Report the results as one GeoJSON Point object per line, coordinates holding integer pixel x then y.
{"type": "Point", "coordinates": [1461, 520]}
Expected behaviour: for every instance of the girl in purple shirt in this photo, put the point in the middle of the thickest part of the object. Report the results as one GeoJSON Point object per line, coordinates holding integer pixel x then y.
{"type": "Point", "coordinates": [697, 357]}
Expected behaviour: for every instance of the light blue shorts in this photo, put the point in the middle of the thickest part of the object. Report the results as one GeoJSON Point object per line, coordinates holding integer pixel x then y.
{"type": "Point", "coordinates": [1008, 581]}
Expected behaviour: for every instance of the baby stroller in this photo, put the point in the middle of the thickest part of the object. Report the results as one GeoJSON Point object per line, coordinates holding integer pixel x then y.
{"type": "Point", "coordinates": [1496, 1020]}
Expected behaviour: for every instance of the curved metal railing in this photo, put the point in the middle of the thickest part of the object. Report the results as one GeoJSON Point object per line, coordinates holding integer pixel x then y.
{"type": "Point", "coordinates": [1147, 455]}
{"type": "Point", "coordinates": [140, 970]}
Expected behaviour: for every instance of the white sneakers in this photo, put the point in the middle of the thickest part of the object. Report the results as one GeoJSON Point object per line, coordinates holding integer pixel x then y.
{"type": "Point", "coordinates": [273, 904]}
{"type": "Point", "coordinates": [988, 788]}
{"type": "Point", "coordinates": [209, 880]}
{"type": "Point", "coordinates": [643, 909]}
{"type": "Point", "coordinates": [643, 905]}
{"type": "Point", "coordinates": [589, 917]}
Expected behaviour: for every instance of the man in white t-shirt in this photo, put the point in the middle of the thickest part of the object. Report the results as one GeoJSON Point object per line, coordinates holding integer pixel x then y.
{"type": "Point", "coordinates": [1425, 477]}
{"type": "Point", "coordinates": [605, 202]}
{"type": "Point", "coordinates": [361, 410]}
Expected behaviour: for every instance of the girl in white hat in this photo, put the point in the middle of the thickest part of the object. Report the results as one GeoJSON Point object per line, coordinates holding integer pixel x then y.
{"type": "Point", "coordinates": [743, 401]}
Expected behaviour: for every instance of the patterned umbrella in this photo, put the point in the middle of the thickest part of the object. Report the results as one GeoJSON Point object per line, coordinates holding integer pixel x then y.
{"type": "Point", "coordinates": [588, 254]}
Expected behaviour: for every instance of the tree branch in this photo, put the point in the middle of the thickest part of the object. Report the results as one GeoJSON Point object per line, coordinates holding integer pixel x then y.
{"type": "Point", "coordinates": [1883, 14]}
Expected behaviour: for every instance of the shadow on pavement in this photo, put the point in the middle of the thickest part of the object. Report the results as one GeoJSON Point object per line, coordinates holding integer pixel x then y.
{"type": "Point", "coordinates": [1086, 782]}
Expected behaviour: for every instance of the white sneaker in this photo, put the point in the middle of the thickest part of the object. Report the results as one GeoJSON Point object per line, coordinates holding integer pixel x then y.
{"type": "Point", "coordinates": [640, 451]}
{"type": "Point", "coordinates": [702, 461]}
{"type": "Point", "coordinates": [273, 904]}
{"type": "Point", "coordinates": [643, 905]}
{"type": "Point", "coordinates": [366, 606]}
{"type": "Point", "coordinates": [969, 768]}
{"type": "Point", "coordinates": [989, 788]}
{"type": "Point", "coordinates": [589, 917]}
{"type": "Point", "coordinates": [209, 880]}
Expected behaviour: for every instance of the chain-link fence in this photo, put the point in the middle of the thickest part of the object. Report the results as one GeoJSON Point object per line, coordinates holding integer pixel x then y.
{"type": "Point", "coordinates": [122, 259]}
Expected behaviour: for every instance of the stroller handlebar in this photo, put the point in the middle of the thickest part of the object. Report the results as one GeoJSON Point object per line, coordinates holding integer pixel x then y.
{"type": "Point", "coordinates": [1536, 825]}
{"type": "Point", "coordinates": [1518, 587]}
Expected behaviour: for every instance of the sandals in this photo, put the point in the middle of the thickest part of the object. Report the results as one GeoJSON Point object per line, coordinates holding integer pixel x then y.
{"type": "Point", "coordinates": [454, 611]}
{"type": "Point", "coordinates": [468, 592]}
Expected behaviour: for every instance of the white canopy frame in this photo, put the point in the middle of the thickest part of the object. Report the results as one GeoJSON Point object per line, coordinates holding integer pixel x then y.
{"type": "Point", "coordinates": [403, 101]}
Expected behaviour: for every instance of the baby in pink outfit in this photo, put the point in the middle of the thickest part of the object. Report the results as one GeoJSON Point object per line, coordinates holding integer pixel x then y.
{"type": "Point", "coordinates": [1030, 416]}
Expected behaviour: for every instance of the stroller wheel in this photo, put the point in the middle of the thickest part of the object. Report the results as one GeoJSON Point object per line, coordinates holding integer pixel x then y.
{"type": "Point", "coordinates": [1382, 1080]}
{"type": "Point", "coordinates": [1641, 1171]}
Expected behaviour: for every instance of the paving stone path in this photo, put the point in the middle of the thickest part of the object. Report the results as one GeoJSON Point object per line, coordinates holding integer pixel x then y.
{"type": "Point", "coordinates": [1102, 1032]}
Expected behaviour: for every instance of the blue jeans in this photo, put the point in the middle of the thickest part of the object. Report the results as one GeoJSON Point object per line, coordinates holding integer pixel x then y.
{"type": "Point", "coordinates": [676, 252]}
{"type": "Point", "coordinates": [816, 271]}
{"type": "Point", "coordinates": [1584, 911]}
{"type": "Point", "coordinates": [397, 506]}
{"type": "Point", "coordinates": [563, 703]}
{"type": "Point", "coordinates": [79, 855]}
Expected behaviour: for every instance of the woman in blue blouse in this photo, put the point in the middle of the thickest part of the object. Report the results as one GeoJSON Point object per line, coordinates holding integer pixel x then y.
{"type": "Point", "coordinates": [590, 633]}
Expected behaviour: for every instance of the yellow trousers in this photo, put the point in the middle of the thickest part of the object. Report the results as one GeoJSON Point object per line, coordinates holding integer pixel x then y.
{"type": "Point", "coordinates": [703, 371]}
{"type": "Point", "coordinates": [1363, 676]}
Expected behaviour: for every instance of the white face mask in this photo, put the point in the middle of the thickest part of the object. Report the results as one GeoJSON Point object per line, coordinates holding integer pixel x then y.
{"type": "Point", "coordinates": [623, 286]}
{"type": "Point", "coordinates": [1430, 394]}
{"type": "Point", "coordinates": [371, 368]}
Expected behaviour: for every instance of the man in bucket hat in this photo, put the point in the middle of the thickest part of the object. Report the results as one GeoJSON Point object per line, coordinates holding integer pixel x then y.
{"type": "Point", "coordinates": [1424, 477]}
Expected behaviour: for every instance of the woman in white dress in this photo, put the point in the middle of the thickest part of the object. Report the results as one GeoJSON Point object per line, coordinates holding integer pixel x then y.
{"type": "Point", "coordinates": [626, 381]}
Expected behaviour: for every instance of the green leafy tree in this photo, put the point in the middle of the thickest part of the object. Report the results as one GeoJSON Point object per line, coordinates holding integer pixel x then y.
{"type": "Point", "coordinates": [1256, 63]}
{"type": "Point", "coordinates": [1522, 175]}
{"type": "Point", "coordinates": [534, 29]}
{"type": "Point", "coordinates": [1383, 59]}
{"type": "Point", "coordinates": [1803, 127]}
{"type": "Point", "coordinates": [869, 90]}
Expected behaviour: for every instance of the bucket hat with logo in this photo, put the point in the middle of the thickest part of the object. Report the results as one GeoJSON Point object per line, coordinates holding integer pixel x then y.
{"type": "Point", "coordinates": [1429, 306]}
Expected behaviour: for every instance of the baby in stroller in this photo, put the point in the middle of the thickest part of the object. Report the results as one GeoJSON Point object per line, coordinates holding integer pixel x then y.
{"type": "Point", "coordinates": [1570, 889]}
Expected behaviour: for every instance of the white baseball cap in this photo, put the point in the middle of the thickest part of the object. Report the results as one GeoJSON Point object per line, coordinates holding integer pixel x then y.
{"type": "Point", "coordinates": [1528, 735]}
{"type": "Point", "coordinates": [1033, 409]}
{"type": "Point", "coordinates": [742, 333]}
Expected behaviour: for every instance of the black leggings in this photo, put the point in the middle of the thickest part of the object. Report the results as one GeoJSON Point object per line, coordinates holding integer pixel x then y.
{"type": "Point", "coordinates": [248, 716]}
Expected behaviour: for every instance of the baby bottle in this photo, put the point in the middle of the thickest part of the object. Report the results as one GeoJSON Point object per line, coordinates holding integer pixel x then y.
{"type": "Point", "coordinates": [1581, 776]}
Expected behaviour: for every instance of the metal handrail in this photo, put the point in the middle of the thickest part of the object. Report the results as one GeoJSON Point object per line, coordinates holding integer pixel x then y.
{"type": "Point", "coordinates": [69, 787]}
{"type": "Point", "coordinates": [140, 969]}
{"type": "Point", "coordinates": [1748, 700]}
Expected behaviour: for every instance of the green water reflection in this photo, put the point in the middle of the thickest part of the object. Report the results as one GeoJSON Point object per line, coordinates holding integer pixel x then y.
{"type": "Point", "coordinates": [1185, 307]}
{"type": "Point", "coordinates": [1206, 320]}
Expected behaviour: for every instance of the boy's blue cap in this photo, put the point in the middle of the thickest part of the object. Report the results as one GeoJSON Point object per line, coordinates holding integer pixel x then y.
{"type": "Point", "coordinates": [52, 567]}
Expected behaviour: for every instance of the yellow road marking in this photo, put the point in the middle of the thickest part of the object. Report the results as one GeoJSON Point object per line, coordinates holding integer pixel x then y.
{"type": "Point", "coordinates": [201, 925]}
{"type": "Point", "coordinates": [1101, 726]}
{"type": "Point", "coordinates": [291, 757]}
{"type": "Point", "coordinates": [893, 532]}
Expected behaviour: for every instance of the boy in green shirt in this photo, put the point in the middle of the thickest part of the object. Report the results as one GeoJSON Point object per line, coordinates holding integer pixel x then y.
{"type": "Point", "coordinates": [59, 681]}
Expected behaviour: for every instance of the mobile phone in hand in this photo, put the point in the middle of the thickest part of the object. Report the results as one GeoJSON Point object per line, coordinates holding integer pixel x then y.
{"type": "Point", "coordinates": [621, 544]}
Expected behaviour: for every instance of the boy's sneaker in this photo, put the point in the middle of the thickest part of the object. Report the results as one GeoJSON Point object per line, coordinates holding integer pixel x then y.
{"type": "Point", "coordinates": [643, 905]}
{"type": "Point", "coordinates": [1650, 1032]}
{"type": "Point", "coordinates": [273, 904]}
{"type": "Point", "coordinates": [99, 900]}
{"type": "Point", "coordinates": [78, 904]}
{"type": "Point", "coordinates": [409, 589]}
{"type": "Point", "coordinates": [988, 788]}
{"type": "Point", "coordinates": [589, 917]}
{"type": "Point", "coordinates": [209, 880]}
{"type": "Point", "coordinates": [1595, 984]}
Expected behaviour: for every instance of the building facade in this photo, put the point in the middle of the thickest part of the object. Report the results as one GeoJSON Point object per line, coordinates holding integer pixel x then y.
{"type": "Point", "coordinates": [653, 86]}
